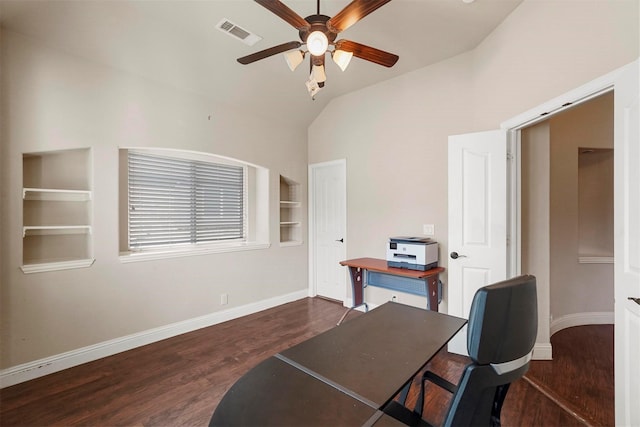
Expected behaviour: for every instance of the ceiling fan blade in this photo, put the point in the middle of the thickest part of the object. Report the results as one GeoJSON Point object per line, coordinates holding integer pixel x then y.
{"type": "Point", "coordinates": [368, 53]}
{"type": "Point", "coordinates": [284, 12]}
{"type": "Point", "coordinates": [352, 13]}
{"type": "Point", "coordinates": [269, 52]}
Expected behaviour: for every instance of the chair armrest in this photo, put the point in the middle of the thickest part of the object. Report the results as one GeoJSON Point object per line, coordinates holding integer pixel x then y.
{"type": "Point", "coordinates": [404, 415]}
{"type": "Point", "coordinates": [439, 381]}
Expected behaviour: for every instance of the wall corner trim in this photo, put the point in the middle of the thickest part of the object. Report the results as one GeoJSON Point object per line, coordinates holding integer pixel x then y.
{"type": "Point", "coordinates": [38, 368]}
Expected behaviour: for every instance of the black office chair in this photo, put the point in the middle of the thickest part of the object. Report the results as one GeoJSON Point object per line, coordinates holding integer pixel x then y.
{"type": "Point", "coordinates": [502, 329]}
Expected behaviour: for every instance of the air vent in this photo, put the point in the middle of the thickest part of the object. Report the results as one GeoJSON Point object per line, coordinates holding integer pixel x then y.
{"type": "Point", "coordinates": [237, 32]}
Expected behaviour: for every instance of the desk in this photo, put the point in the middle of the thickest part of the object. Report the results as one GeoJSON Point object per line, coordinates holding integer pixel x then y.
{"type": "Point", "coordinates": [344, 376]}
{"type": "Point", "coordinates": [274, 393]}
{"type": "Point", "coordinates": [374, 272]}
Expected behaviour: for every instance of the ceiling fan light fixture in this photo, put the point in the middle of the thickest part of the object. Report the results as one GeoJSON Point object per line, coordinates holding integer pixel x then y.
{"type": "Point", "coordinates": [317, 43]}
{"type": "Point", "coordinates": [312, 87]}
{"type": "Point", "coordinates": [293, 58]}
{"type": "Point", "coordinates": [342, 58]}
{"type": "Point", "coordinates": [318, 74]}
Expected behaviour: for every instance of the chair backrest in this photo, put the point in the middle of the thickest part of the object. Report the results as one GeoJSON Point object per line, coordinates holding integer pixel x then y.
{"type": "Point", "coordinates": [501, 333]}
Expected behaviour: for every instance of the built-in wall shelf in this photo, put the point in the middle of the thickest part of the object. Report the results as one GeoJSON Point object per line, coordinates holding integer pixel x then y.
{"type": "Point", "coordinates": [55, 265]}
{"type": "Point", "coordinates": [42, 230]}
{"type": "Point", "coordinates": [56, 210]}
{"type": "Point", "coordinates": [584, 259]}
{"type": "Point", "coordinates": [54, 194]}
{"type": "Point", "coordinates": [290, 206]}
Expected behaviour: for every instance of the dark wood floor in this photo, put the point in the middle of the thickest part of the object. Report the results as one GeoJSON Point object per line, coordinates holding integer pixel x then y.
{"type": "Point", "coordinates": [575, 389]}
{"type": "Point", "coordinates": [179, 381]}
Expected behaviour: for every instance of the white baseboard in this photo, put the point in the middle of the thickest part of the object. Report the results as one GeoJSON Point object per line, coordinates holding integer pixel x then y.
{"type": "Point", "coordinates": [579, 319]}
{"type": "Point", "coordinates": [38, 368]}
{"type": "Point", "coordinates": [542, 351]}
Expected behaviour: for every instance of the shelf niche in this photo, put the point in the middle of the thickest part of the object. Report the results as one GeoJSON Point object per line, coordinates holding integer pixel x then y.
{"type": "Point", "coordinates": [57, 213]}
{"type": "Point", "coordinates": [290, 206]}
{"type": "Point", "coordinates": [595, 205]}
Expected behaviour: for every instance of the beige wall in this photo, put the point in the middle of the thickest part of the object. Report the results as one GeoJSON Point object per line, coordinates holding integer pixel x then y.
{"type": "Point", "coordinates": [578, 293]}
{"type": "Point", "coordinates": [394, 134]}
{"type": "Point", "coordinates": [577, 288]}
{"type": "Point", "coordinates": [54, 101]}
{"type": "Point", "coordinates": [535, 221]}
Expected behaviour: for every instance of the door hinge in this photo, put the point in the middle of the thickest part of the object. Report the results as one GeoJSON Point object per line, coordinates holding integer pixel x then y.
{"type": "Point", "coordinates": [509, 156]}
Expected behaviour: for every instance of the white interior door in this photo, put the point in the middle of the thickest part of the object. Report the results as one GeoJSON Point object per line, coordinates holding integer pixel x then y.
{"type": "Point", "coordinates": [627, 246]}
{"type": "Point", "coordinates": [477, 220]}
{"type": "Point", "coordinates": [328, 218]}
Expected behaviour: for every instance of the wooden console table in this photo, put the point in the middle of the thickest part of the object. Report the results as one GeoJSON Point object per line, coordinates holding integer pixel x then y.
{"type": "Point", "coordinates": [375, 272]}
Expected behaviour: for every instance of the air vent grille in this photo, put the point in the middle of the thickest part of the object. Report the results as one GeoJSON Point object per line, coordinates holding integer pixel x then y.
{"type": "Point", "coordinates": [247, 37]}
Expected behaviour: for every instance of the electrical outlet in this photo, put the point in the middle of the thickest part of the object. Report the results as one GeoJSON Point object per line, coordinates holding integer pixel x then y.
{"type": "Point", "coordinates": [224, 299]}
{"type": "Point", "coordinates": [428, 229]}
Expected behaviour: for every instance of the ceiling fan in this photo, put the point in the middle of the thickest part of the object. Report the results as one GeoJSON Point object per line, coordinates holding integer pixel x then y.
{"type": "Point", "coordinates": [318, 32]}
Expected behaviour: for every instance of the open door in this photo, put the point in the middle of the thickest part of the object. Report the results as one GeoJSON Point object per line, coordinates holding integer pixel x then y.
{"type": "Point", "coordinates": [627, 246]}
{"type": "Point", "coordinates": [477, 220]}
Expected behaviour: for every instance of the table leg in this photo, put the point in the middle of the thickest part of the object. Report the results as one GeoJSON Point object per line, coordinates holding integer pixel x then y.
{"type": "Point", "coordinates": [357, 285]}
{"type": "Point", "coordinates": [357, 291]}
{"type": "Point", "coordinates": [431, 288]}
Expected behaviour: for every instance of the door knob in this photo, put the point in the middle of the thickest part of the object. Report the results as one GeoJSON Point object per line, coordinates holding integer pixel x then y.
{"type": "Point", "coordinates": [636, 300]}
{"type": "Point", "coordinates": [340, 240]}
{"type": "Point", "coordinates": [454, 255]}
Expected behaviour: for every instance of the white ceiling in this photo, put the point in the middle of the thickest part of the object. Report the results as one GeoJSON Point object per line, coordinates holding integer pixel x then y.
{"type": "Point", "coordinates": [176, 42]}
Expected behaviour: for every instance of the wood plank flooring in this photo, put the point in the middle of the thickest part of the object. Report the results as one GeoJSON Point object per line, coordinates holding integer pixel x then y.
{"type": "Point", "coordinates": [575, 389]}
{"type": "Point", "coordinates": [179, 381]}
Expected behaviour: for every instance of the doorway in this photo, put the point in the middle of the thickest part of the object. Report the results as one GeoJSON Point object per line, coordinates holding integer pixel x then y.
{"type": "Point", "coordinates": [567, 211]}
{"type": "Point", "coordinates": [327, 230]}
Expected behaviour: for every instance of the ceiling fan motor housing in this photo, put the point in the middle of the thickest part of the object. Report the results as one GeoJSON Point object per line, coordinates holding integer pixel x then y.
{"type": "Point", "coordinates": [318, 23]}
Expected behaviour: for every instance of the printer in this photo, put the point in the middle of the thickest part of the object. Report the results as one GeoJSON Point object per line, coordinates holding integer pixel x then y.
{"type": "Point", "coordinates": [413, 253]}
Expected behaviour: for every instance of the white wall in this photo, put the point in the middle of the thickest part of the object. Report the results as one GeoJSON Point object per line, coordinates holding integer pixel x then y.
{"type": "Point", "coordinates": [51, 101]}
{"type": "Point", "coordinates": [394, 134]}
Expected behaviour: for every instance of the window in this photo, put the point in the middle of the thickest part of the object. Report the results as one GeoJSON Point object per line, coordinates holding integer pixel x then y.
{"type": "Point", "coordinates": [189, 202]}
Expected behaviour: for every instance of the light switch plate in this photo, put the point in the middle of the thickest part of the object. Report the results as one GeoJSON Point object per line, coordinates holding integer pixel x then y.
{"type": "Point", "coordinates": [428, 229]}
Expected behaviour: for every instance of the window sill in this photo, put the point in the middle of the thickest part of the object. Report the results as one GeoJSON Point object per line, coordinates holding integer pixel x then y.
{"type": "Point", "coordinates": [126, 257]}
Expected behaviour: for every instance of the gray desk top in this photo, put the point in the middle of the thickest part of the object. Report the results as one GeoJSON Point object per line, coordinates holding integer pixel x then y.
{"type": "Point", "coordinates": [374, 355]}
{"type": "Point", "coordinates": [341, 377]}
{"type": "Point", "coordinates": [275, 393]}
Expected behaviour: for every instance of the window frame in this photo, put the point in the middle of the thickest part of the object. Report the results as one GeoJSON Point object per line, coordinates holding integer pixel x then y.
{"type": "Point", "coordinates": [249, 242]}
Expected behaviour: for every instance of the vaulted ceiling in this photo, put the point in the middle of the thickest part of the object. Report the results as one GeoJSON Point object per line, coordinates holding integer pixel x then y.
{"type": "Point", "coordinates": [176, 42]}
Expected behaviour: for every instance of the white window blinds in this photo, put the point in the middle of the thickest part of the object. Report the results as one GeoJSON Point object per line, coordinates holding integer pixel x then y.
{"type": "Point", "coordinates": [175, 201]}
